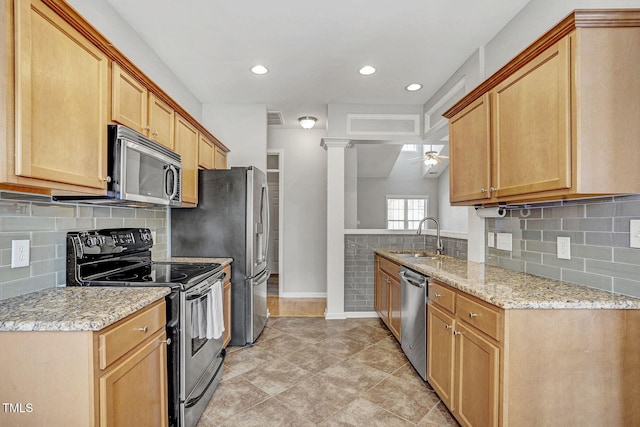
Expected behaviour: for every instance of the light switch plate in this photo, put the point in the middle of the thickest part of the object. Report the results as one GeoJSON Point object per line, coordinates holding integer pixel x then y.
{"type": "Point", "coordinates": [19, 253]}
{"type": "Point", "coordinates": [563, 246]}
{"type": "Point", "coordinates": [491, 239]}
{"type": "Point", "coordinates": [634, 233]}
{"type": "Point", "coordinates": [503, 241]}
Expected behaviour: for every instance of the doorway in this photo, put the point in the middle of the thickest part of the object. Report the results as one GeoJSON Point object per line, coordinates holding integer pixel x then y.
{"type": "Point", "coordinates": [275, 175]}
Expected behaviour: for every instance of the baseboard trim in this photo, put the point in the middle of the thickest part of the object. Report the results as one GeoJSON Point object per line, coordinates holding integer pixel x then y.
{"type": "Point", "coordinates": [360, 314]}
{"type": "Point", "coordinates": [334, 316]}
{"type": "Point", "coordinates": [302, 295]}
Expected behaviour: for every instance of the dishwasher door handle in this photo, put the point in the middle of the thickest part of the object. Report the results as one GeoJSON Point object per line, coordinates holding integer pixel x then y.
{"type": "Point", "coordinates": [410, 280]}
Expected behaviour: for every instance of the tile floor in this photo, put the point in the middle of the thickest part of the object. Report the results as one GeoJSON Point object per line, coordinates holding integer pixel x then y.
{"type": "Point", "coordinates": [311, 371]}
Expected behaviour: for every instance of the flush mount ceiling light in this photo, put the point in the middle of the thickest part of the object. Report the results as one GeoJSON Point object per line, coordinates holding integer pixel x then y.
{"type": "Point", "coordinates": [259, 69]}
{"type": "Point", "coordinates": [307, 122]}
{"type": "Point", "coordinates": [367, 70]}
{"type": "Point", "coordinates": [413, 87]}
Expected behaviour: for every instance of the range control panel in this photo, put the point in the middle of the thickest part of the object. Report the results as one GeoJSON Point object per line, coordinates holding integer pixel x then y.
{"type": "Point", "coordinates": [110, 241]}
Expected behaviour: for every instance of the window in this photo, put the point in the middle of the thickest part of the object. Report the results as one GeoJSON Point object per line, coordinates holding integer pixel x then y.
{"type": "Point", "coordinates": [410, 147]}
{"type": "Point", "coordinates": [405, 212]}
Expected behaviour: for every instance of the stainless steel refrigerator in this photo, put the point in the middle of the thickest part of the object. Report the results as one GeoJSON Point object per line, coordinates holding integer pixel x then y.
{"type": "Point", "coordinates": [231, 220]}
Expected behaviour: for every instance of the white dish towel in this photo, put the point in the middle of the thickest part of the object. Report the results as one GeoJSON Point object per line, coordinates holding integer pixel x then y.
{"type": "Point", "coordinates": [207, 320]}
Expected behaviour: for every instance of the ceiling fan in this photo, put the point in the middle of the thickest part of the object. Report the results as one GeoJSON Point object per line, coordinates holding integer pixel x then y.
{"type": "Point", "coordinates": [431, 157]}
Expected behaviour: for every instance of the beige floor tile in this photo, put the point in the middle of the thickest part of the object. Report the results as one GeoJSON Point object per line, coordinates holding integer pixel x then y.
{"type": "Point", "coordinates": [407, 373]}
{"type": "Point", "coordinates": [406, 400]}
{"type": "Point", "coordinates": [314, 358]}
{"type": "Point", "coordinates": [315, 398]}
{"type": "Point", "coordinates": [243, 360]}
{"type": "Point", "coordinates": [283, 344]}
{"type": "Point", "coordinates": [363, 413]}
{"type": "Point", "coordinates": [232, 397]}
{"type": "Point", "coordinates": [380, 358]}
{"type": "Point", "coordinates": [439, 416]}
{"type": "Point", "coordinates": [276, 376]}
{"type": "Point", "coordinates": [353, 376]}
{"type": "Point", "coordinates": [368, 334]}
{"type": "Point", "coordinates": [269, 413]}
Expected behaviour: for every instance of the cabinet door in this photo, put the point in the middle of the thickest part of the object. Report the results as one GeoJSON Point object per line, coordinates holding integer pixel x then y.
{"type": "Point", "coordinates": [206, 153]}
{"type": "Point", "coordinates": [227, 314]}
{"type": "Point", "coordinates": [61, 100]}
{"type": "Point", "coordinates": [161, 121]}
{"type": "Point", "coordinates": [470, 152]}
{"type": "Point", "coordinates": [220, 158]}
{"type": "Point", "coordinates": [129, 100]}
{"type": "Point", "coordinates": [186, 142]}
{"type": "Point", "coordinates": [134, 392]}
{"type": "Point", "coordinates": [395, 307]}
{"type": "Point", "coordinates": [441, 353]}
{"type": "Point", "coordinates": [384, 298]}
{"type": "Point", "coordinates": [532, 125]}
{"type": "Point", "coordinates": [477, 385]}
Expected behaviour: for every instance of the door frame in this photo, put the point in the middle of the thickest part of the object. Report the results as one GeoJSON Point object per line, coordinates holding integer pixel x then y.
{"type": "Point", "coordinates": [280, 153]}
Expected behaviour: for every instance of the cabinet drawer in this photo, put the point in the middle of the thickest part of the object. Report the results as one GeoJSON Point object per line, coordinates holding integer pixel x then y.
{"type": "Point", "coordinates": [444, 297]}
{"type": "Point", "coordinates": [129, 332]}
{"type": "Point", "coordinates": [486, 319]}
{"type": "Point", "coordinates": [391, 268]}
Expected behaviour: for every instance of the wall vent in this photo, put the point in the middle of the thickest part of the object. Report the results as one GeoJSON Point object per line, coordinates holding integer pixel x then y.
{"type": "Point", "coordinates": [274, 118]}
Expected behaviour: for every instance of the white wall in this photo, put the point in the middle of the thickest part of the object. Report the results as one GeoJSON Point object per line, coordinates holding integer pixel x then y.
{"type": "Point", "coordinates": [351, 187]}
{"type": "Point", "coordinates": [242, 128]}
{"type": "Point", "coordinates": [106, 20]}
{"type": "Point", "coordinates": [304, 199]}
{"type": "Point", "coordinates": [452, 218]}
{"type": "Point", "coordinates": [405, 179]}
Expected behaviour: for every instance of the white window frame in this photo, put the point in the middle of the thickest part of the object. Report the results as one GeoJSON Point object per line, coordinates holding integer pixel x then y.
{"type": "Point", "coordinates": [405, 212]}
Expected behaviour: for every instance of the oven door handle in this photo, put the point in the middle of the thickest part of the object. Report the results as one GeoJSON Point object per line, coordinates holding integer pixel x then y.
{"type": "Point", "coordinates": [205, 289]}
{"type": "Point", "coordinates": [193, 401]}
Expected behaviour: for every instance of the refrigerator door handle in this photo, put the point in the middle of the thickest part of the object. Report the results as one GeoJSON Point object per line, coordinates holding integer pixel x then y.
{"type": "Point", "coordinates": [262, 277]}
{"type": "Point", "coordinates": [265, 191]}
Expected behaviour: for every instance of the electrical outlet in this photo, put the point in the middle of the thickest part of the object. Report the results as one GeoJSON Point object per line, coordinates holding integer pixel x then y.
{"type": "Point", "coordinates": [563, 246]}
{"type": "Point", "coordinates": [634, 233]}
{"type": "Point", "coordinates": [503, 241]}
{"type": "Point", "coordinates": [154, 236]}
{"type": "Point", "coordinates": [19, 253]}
{"type": "Point", "coordinates": [491, 239]}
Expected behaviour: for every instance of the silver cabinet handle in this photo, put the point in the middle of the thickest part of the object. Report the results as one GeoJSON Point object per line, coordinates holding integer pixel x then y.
{"type": "Point", "coordinates": [493, 189]}
{"type": "Point", "coordinates": [154, 133]}
{"type": "Point", "coordinates": [448, 326]}
{"type": "Point", "coordinates": [167, 341]}
{"type": "Point", "coordinates": [107, 179]}
{"type": "Point", "coordinates": [143, 330]}
{"type": "Point", "coordinates": [457, 332]}
{"type": "Point", "coordinates": [483, 190]}
{"type": "Point", "coordinates": [473, 314]}
{"type": "Point", "coordinates": [437, 295]}
{"type": "Point", "coordinates": [147, 128]}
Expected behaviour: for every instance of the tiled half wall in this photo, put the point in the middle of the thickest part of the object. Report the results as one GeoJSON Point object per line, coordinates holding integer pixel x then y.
{"type": "Point", "coordinates": [45, 224]}
{"type": "Point", "coordinates": [359, 266]}
{"type": "Point", "coordinates": [599, 231]}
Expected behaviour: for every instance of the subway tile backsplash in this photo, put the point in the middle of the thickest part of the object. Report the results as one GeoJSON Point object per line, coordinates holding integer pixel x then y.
{"type": "Point", "coordinates": [359, 262]}
{"type": "Point", "coordinates": [45, 224]}
{"type": "Point", "coordinates": [599, 231]}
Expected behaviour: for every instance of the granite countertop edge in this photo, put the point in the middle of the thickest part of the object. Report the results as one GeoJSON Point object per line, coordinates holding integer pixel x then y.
{"type": "Point", "coordinates": [75, 308]}
{"type": "Point", "coordinates": [511, 289]}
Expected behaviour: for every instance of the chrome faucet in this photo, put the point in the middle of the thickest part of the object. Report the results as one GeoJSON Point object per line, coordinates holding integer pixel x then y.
{"type": "Point", "coordinates": [439, 247]}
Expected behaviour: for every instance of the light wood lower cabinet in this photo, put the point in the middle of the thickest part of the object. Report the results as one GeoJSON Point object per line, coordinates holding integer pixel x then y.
{"type": "Point", "coordinates": [226, 336]}
{"type": "Point", "coordinates": [532, 367]}
{"type": "Point", "coordinates": [387, 294]}
{"type": "Point", "coordinates": [113, 377]}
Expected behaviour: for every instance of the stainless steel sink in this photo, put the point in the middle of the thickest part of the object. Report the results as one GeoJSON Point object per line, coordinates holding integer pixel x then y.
{"type": "Point", "coordinates": [416, 256]}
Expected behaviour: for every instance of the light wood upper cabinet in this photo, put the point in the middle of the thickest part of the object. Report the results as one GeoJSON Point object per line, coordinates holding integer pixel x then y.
{"type": "Point", "coordinates": [562, 117]}
{"type": "Point", "coordinates": [206, 153]}
{"type": "Point", "coordinates": [129, 100]}
{"type": "Point", "coordinates": [470, 152]}
{"type": "Point", "coordinates": [161, 122]}
{"type": "Point", "coordinates": [61, 103]}
{"type": "Point", "coordinates": [186, 141]}
{"type": "Point", "coordinates": [220, 158]}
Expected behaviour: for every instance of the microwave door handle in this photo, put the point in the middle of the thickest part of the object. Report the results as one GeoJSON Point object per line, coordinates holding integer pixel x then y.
{"type": "Point", "coordinates": [174, 171]}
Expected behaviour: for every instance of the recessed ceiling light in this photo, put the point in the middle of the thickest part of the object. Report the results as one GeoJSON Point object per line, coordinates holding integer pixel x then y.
{"type": "Point", "coordinates": [367, 70]}
{"type": "Point", "coordinates": [259, 69]}
{"type": "Point", "coordinates": [413, 87]}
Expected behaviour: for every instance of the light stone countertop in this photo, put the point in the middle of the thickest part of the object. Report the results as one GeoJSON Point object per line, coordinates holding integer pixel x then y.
{"type": "Point", "coordinates": [74, 308]}
{"type": "Point", "coordinates": [510, 289]}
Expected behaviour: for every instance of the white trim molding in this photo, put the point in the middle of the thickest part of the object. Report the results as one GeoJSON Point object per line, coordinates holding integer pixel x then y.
{"type": "Point", "coordinates": [414, 118]}
{"type": "Point", "coordinates": [460, 85]}
{"type": "Point", "coordinates": [303, 295]}
{"type": "Point", "coordinates": [361, 314]}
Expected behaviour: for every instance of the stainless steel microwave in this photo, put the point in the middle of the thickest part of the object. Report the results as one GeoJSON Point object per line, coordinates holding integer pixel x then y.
{"type": "Point", "coordinates": [141, 172]}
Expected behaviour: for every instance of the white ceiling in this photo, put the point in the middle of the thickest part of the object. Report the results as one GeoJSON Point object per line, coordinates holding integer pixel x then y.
{"type": "Point", "coordinates": [314, 50]}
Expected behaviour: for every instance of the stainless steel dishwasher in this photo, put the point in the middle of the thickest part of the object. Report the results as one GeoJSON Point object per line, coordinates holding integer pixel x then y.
{"type": "Point", "coordinates": [413, 339]}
